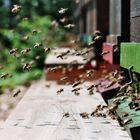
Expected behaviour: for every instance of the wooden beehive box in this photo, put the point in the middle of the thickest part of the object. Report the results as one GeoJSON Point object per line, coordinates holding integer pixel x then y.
{"type": "Point", "coordinates": [130, 56]}
{"type": "Point", "coordinates": [133, 127]}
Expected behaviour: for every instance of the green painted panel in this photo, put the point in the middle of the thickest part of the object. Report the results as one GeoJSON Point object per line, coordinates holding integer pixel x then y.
{"type": "Point", "coordinates": [130, 56]}
{"type": "Point", "coordinates": [132, 114]}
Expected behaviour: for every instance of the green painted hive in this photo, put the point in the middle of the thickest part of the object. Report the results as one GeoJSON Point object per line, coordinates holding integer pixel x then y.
{"type": "Point", "coordinates": [130, 56]}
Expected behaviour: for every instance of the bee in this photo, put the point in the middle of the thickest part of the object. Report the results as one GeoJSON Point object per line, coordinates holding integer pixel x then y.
{"type": "Point", "coordinates": [116, 49]}
{"type": "Point", "coordinates": [97, 38]}
{"type": "Point", "coordinates": [89, 73]}
{"type": "Point", "coordinates": [55, 68]}
{"type": "Point", "coordinates": [60, 91]}
{"type": "Point", "coordinates": [91, 92]}
{"type": "Point", "coordinates": [63, 78]}
{"type": "Point", "coordinates": [48, 85]}
{"type": "Point", "coordinates": [125, 114]}
{"type": "Point", "coordinates": [16, 93]}
{"type": "Point", "coordinates": [25, 51]}
{"type": "Point", "coordinates": [35, 31]}
{"type": "Point", "coordinates": [4, 76]}
{"type": "Point", "coordinates": [127, 121]}
{"type": "Point", "coordinates": [76, 93]}
{"type": "Point", "coordinates": [66, 115]}
{"type": "Point", "coordinates": [84, 115]}
{"type": "Point", "coordinates": [47, 50]}
{"type": "Point", "coordinates": [76, 84]}
{"type": "Point", "coordinates": [63, 10]}
{"type": "Point", "coordinates": [27, 67]}
{"type": "Point", "coordinates": [91, 87]}
{"type": "Point", "coordinates": [37, 57]}
{"type": "Point", "coordinates": [63, 20]}
{"type": "Point", "coordinates": [16, 8]}
{"type": "Point", "coordinates": [69, 26]}
{"type": "Point", "coordinates": [32, 62]}
{"type": "Point", "coordinates": [26, 38]}
{"type": "Point", "coordinates": [81, 67]}
{"type": "Point", "coordinates": [63, 54]}
{"type": "Point", "coordinates": [111, 84]}
{"type": "Point", "coordinates": [137, 108]}
{"type": "Point", "coordinates": [13, 51]}
{"type": "Point", "coordinates": [76, 89]}
{"type": "Point", "coordinates": [38, 45]}
{"type": "Point", "coordinates": [105, 52]}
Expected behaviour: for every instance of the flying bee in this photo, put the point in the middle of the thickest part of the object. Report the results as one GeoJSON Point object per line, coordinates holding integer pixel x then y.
{"type": "Point", "coordinates": [84, 115]}
{"type": "Point", "coordinates": [60, 91]}
{"type": "Point", "coordinates": [91, 87]}
{"type": "Point", "coordinates": [76, 93]}
{"type": "Point", "coordinates": [48, 85]}
{"type": "Point", "coordinates": [63, 54]}
{"type": "Point", "coordinates": [89, 73]}
{"type": "Point", "coordinates": [97, 38]}
{"type": "Point", "coordinates": [76, 89]}
{"type": "Point", "coordinates": [35, 31]}
{"type": "Point", "coordinates": [63, 20]}
{"type": "Point", "coordinates": [16, 8]}
{"type": "Point", "coordinates": [16, 93]}
{"type": "Point", "coordinates": [105, 52]}
{"type": "Point", "coordinates": [47, 50]}
{"type": "Point", "coordinates": [63, 10]}
{"type": "Point", "coordinates": [38, 45]}
{"type": "Point", "coordinates": [66, 115]}
{"type": "Point", "coordinates": [125, 114]}
{"type": "Point", "coordinates": [25, 51]}
{"type": "Point", "coordinates": [13, 51]}
{"type": "Point", "coordinates": [25, 38]}
{"type": "Point", "coordinates": [81, 67]}
{"type": "Point", "coordinates": [27, 67]}
{"type": "Point", "coordinates": [127, 121]}
{"type": "Point", "coordinates": [69, 26]}
{"type": "Point", "coordinates": [64, 78]}
{"type": "Point", "coordinates": [111, 84]}
{"type": "Point", "coordinates": [77, 84]}
{"type": "Point", "coordinates": [4, 76]}
{"type": "Point", "coordinates": [32, 62]}
{"type": "Point", "coordinates": [55, 68]}
{"type": "Point", "coordinates": [37, 57]}
{"type": "Point", "coordinates": [91, 92]}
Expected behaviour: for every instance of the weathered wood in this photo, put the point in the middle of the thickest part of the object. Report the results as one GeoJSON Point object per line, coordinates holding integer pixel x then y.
{"type": "Point", "coordinates": [132, 127]}
{"type": "Point", "coordinates": [39, 116]}
{"type": "Point", "coordinates": [130, 56]}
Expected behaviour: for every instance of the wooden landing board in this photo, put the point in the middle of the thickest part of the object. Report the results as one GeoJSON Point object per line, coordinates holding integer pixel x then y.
{"type": "Point", "coordinates": [39, 116]}
{"type": "Point", "coordinates": [53, 60]}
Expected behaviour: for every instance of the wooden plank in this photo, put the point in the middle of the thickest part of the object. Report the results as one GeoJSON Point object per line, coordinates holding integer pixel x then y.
{"type": "Point", "coordinates": [53, 60]}
{"type": "Point", "coordinates": [39, 116]}
{"type": "Point", "coordinates": [130, 56]}
{"type": "Point", "coordinates": [134, 126]}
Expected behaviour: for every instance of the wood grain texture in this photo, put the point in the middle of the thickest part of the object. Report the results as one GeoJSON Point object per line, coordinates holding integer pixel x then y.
{"type": "Point", "coordinates": [39, 116]}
